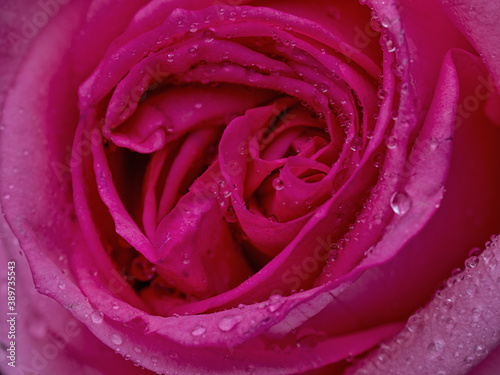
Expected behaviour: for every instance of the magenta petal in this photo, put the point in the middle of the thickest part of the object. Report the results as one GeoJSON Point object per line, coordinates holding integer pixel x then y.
{"type": "Point", "coordinates": [455, 331]}
{"type": "Point", "coordinates": [45, 330]}
{"type": "Point", "coordinates": [478, 20]}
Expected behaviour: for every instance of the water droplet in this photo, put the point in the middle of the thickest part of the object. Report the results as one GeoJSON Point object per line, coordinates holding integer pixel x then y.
{"type": "Point", "coordinates": [450, 324]}
{"type": "Point", "coordinates": [447, 304]}
{"type": "Point", "coordinates": [378, 158]}
{"type": "Point", "coordinates": [356, 144]}
{"type": "Point", "coordinates": [381, 93]}
{"type": "Point", "coordinates": [469, 360]}
{"type": "Point", "coordinates": [479, 349]}
{"type": "Point", "coordinates": [198, 331]}
{"type": "Point", "coordinates": [170, 128]}
{"type": "Point", "coordinates": [227, 323]}
{"type": "Point", "coordinates": [435, 347]}
{"type": "Point", "coordinates": [391, 47]}
{"type": "Point", "coordinates": [116, 339]}
{"type": "Point", "coordinates": [323, 88]}
{"type": "Point", "coordinates": [414, 323]}
{"type": "Point", "coordinates": [472, 261]}
{"type": "Point", "coordinates": [62, 285]}
{"type": "Point", "coordinates": [492, 262]}
{"type": "Point", "coordinates": [400, 203]}
{"type": "Point", "coordinates": [375, 24]}
{"type": "Point", "coordinates": [391, 142]}
{"type": "Point", "coordinates": [476, 313]}
{"type": "Point", "coordinates": [253, 75]}
{"type": "Point", "coordinates": [193, 51]}
{"type": "Point", "coordinates": [224, 189]}
{"type": "Point", "coordinates": [209, 35]}
{"type": "Point", "coordinates": [6, 196]}
{"type": "Point", "coordinates": [97, 317]}
{"type": "Point", "coordinates": [194, 27]}
{"type": "Point", "coordinates": [137, 349]}
{"type": "Point", "coordinates": [278, 184]}
{"type": "Point", "coordinates": [198, 105]}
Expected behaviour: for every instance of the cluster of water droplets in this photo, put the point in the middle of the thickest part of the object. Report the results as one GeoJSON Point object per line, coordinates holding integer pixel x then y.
{"type": "Point", "coordinates": [455, 331]}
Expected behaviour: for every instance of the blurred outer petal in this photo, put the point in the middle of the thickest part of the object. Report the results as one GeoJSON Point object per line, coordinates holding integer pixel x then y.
{"type": "Point", "coordinates": [49, 340]}
{"type": "Point", "coordinates": [454, 332]}
{"type": "Point", "coordinates": [478, 20]}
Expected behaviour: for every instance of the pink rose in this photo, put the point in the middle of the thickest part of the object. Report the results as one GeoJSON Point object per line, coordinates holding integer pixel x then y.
{"type": "Point", "coordinates": [263, 187]}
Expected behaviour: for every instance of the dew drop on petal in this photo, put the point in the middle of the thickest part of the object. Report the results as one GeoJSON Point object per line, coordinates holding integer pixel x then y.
{"type": "Point", "coordinates": [400, 203]}
{"type": "Point", "coordinates": [391, 142]}
{"type": "Point", "coordinates": [253, 76]}
{"type": "Point", "coordinates": [414, 323]}
{"type": "Point", "coordinates": [278, 184]}
{"type": "Point", "coordinates": [472, 261]}
{"type": "Point", "coordinates": [389, 43]}
{"type": "Point", "coordinates": [209, 35]}
{"type": "Point", "coordinates": [116, 339]}
{"type": "Point", "coordinates": [227, 323]}
{"type": "Point", "coordinates": [323, 88]}
{"type": "Point", "coordinates": [198, 331]}
{"type": "Point", "coordinates": [356, 144]}
{"type": "Point", "coordinates": [97, 317]}
{"type": "Point", "coordinates": [224, 189]}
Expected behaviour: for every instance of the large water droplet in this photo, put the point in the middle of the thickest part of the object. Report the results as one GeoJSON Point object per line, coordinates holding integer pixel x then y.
{"type": "Point", "coordinates": [400, 203]}
{"type": "Point", "coordinates": [472, 261]}
{"type": "Point", "coordinates": [209, 35]}
{"type": "Point", "coordinates": [389, 43]}
{"type": "Point", "coordinates": [116, 339]}
{"type": "Point", "coordinates": [356, 144]}
{"type": "Point", "coordinates": [198, 331]}
{"type": "Point", "coordinates": [228, 322]}
{"type": "Point", "coordinates": [391, 142]}
{"type": "Point", "coordinates": [414, 323]}
{"type": "Point", "coordinates": [97, 317]}
{"type": "Point", "coordinates": [224, 189]}
{"type": "Point", "coordinates": [278, 184]}
{"type": "Point", "coordinates": [436, 347]}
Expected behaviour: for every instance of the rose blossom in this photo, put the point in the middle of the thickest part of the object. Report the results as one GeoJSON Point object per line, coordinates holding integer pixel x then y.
{"type": "Point", "coordinates": [264, 187]}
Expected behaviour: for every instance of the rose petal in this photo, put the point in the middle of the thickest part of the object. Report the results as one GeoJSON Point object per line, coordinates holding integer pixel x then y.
{"type": "Point", "coordinates": [478, 21]}
{"type": "Point", "coordinates": [455, 331]}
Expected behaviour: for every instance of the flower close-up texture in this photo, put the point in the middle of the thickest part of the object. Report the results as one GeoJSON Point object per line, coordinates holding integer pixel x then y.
{"type": "Point", "coordinates": [250, 187]}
